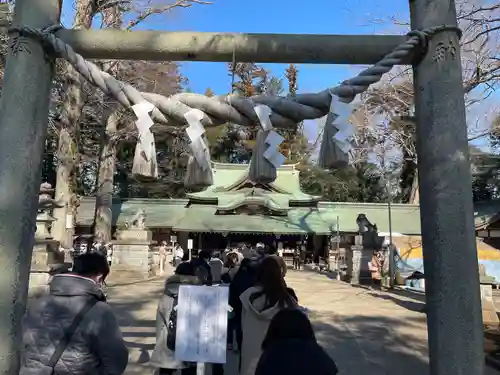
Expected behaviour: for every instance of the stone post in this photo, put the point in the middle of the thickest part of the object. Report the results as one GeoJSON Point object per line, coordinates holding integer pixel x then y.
{"type": "Point", "coordinates": [358, 257]}
{"type": "Point", "coordinates": [132, 251]}
{"type": "Point", "coordinates": [354, 257]}
{"type": "Point", "coordinates": [23, 125]}
{"type": "Point", "coordinates": [450, 258]}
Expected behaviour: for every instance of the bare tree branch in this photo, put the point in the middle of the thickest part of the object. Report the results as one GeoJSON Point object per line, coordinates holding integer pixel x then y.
{"type": "Point", "coordinates": [162, 9]}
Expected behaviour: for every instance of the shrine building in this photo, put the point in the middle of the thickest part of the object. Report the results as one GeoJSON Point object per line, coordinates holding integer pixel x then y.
{"type": "Point", "coordinates": [234, 210]}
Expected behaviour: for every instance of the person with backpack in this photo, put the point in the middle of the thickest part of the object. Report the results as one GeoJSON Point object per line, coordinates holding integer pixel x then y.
{"type": "Point", "coordinates": [163, 356]}
{"type": "Point", "coordinates": [72, 330]}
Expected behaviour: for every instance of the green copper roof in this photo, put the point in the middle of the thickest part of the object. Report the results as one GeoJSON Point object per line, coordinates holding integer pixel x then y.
{"type": "Point", "coordinates": [486, 213]}
{"type": "Point", "coordinates": [252, 198]}
{"type": "Point", "coordinates": [160, 213]}
{"type": "Point", "coordinates": [405, 217]}
{"type": "Point", "coordinates": [300, 220]}
{"type": "Point", "coordinates": [230, 178]}
{"type": "Point", "coordinates": [173, 213]}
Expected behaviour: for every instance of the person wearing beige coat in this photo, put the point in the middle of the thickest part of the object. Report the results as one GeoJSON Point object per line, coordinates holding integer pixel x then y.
{"type": "Point", "coordinates": [259, 305]}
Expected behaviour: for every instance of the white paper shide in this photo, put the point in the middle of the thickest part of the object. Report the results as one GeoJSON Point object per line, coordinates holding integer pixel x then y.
{"type": "Point", "coordinates": [273, 139]}
{"type": "Point", "coordinates": [195, 133]}
{"type": "Point", "coordinates": [342, 112]}
{"type": "Point", "coordinates": [143, 124]}
{"type": "Point", "coordinates": [202, 313]}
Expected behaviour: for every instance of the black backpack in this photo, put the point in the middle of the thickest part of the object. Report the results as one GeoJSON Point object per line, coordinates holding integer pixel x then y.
{"type": "Point", "coordinates": [172, 325]}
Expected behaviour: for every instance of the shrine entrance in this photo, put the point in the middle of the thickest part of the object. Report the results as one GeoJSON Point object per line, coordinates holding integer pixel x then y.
{"type": "Point", "coordinates": [216, 241]}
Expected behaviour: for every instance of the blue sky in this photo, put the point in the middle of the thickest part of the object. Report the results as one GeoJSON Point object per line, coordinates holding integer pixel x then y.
{"type": "Point", "coordinates": [277, 16]}
{"type": "Point", "coordinates": [273, 16]}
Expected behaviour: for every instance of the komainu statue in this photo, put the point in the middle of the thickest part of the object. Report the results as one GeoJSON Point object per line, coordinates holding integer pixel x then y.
{"type": "Point", "coordinates": [369, 232]}
{"type": "Point", "coordinates": [138, 221]}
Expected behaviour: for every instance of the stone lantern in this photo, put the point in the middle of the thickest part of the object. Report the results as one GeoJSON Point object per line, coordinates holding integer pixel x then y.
{"type": "Point", "coordinates": [44, 218]}
{"type": "Point", "coordinates": [46, 255]}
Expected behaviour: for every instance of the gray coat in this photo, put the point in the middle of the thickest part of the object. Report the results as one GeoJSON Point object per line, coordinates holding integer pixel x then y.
{"type": "Point", "coordinates": [97, 346]}
{"type": "Point", "coordinates": [162, 356]}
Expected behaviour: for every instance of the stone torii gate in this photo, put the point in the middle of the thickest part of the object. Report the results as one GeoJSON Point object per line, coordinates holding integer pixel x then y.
{"type": "Point", "coordinates": [450, 256]}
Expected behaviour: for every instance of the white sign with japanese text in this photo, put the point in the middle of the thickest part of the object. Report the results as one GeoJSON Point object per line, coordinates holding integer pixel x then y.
{"type": "Point", "coordinates": [202, 313]}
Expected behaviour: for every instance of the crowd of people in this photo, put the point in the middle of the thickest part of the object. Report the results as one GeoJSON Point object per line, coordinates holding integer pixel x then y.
{"type": "Point", "coordinates": [100, 247]}
{"type": "Point", "coordinates": [267, 328]}
{"type": "Point", "coordinates": [72, 330]}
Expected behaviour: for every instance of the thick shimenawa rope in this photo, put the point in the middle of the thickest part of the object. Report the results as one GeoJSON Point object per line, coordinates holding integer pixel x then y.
{"type": "Point", "coordinates": [287, 111]}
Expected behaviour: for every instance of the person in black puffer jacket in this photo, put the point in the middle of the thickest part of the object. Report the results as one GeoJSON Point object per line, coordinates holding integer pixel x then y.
{"type": "Point", "coordinates": [96, 346]}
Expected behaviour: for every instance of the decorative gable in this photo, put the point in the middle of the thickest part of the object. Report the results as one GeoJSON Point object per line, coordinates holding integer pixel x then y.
{"type": "Point", "coordinates": [253, 202]}
{"type": "Point", "coordinates": [231, 184]}
{"type": "Point", "coordinates": [246, 185]}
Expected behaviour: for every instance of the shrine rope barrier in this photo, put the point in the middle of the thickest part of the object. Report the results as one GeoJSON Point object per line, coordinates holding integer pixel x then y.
{"type": "Point", "coordinates": [286, 112]}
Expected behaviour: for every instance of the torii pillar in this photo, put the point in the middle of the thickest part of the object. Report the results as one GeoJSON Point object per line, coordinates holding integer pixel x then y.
{"type": "Point", "coordinates": [24, 108]}
{"type": "Point", "coordinates": [454, 318]}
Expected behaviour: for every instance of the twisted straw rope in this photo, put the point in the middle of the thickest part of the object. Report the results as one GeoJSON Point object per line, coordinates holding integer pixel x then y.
{"type": "Point", "coordinates": [287, 111]}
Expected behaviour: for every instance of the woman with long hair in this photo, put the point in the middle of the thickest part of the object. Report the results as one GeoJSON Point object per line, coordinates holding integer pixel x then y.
{"type": "Point", "coordinates": [290, 347]}
{"type": "Point", "coordinates": [260, 304]}
{"type": "Point", "coordinates": [232, 265]}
